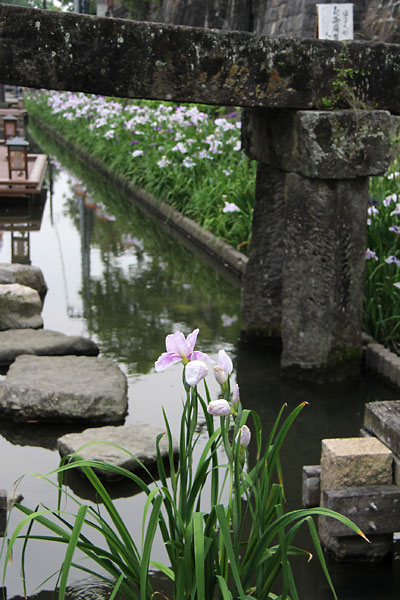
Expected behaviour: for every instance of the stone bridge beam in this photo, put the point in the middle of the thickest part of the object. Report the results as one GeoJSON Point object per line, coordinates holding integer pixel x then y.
{"type": "Point", "coordinates": [305, 276]}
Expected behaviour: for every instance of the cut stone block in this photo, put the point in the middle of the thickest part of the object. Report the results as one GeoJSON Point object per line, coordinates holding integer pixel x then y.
{"type": "Point", "coordinates": [64, 388]}
{"type": "Point", "coordinates": [348, 462]}
{"type": "Point", "coordinates": [354, 547]}
{"type": "Point", "coordinates": [20, 307]}
{"type": "Point", "coordinates": [375, 509]}
{"type": "Point", "coordinates": [138, 440]}
{"type": "Point", "coordinates": [383, 420]}
{"type": "Point", "coordinates": [42, 342]}
{"type": "Point", "coordinates": [337, 144]}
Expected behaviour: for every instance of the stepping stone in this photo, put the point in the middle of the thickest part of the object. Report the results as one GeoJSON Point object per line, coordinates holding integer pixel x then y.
{"type": "Point", "coordinates": [25, 275]}
{"type": "Point", "coordinates": [138, 439]}
{"type": "Point", "coordinates": [64, 389]}
{"type": "Point", "coordinates": [42, 342]}
{"type": "Point", "coordinates": [20, 307]}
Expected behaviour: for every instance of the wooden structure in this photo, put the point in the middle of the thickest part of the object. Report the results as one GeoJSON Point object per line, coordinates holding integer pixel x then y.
{"type": "Point", "coordinates": [22, 120]}
{"type": "Point", "coordinates": [20, 185]}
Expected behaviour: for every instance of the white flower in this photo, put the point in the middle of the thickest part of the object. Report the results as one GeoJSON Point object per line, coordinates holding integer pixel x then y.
{"type": "Point", "coordinates": [219, 408]}
{"type": "Point", "coordinates": [230, 207]}
{"type": "Point", "coordinates": [195, 371]}
{"type": "Point", "coordinates": [245, 436]}
{"type": "Point", "coordinates": [372, 211]}
{"type": "Point", "coordinates": [188, 162]}
{"type": "Point", "coordinates": [397, 284]}
{"type": "Point", "coordinates": [163, 162]}
{"type": "Point", "coordinates": [223, 368]}
{"type": "Point", "coordinates": [136, 153]}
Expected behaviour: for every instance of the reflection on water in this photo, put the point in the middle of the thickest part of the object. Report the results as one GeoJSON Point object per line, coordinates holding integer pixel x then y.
{"type": "Point", "coordinates": [117, 277]}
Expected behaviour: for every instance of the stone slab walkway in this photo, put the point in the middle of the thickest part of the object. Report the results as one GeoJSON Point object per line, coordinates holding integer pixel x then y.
{"type": "Point", "coordinates": [64, 389]}
{"type": "Point", "coordinates": [42, 342]}
{"type": "Point", "coordinates": [137, 440]}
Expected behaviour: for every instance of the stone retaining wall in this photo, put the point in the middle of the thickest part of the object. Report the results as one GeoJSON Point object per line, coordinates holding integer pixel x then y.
{"type": "Point", "coordinates": [373, 19]}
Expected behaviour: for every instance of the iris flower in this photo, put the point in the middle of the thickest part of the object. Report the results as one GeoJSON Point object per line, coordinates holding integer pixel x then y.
{"type": "Point", "coordinates": [179, 349]}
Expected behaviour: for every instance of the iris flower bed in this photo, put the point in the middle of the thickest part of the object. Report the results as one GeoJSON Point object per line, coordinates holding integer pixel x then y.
{"type": "Point", "coordinates": [382, 288]}
{"type": "Point", "coordinates": [187, 156]}
{"type": "Point", "coordinates": [191, 158]}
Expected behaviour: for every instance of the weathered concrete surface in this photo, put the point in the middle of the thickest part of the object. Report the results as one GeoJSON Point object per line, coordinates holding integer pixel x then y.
{"type": "Point", "coordinates": [339, 144]}
{"type": "Point", "coordinates": [64, 388]}
{"type": "Point", "coordinates": [24, 275]}
{"type": "Point", "coordinates": [138, 440]}
{"type": "Point", "coordinates": [43, 342]}
{"type": "Point", "coordinates": [20, 307]}
{"type": "Point", "coordinates": [124, 58]}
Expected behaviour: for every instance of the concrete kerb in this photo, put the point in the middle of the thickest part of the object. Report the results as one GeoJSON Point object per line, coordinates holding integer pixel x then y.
{"type": "Point", "coordinates": [376, 358]}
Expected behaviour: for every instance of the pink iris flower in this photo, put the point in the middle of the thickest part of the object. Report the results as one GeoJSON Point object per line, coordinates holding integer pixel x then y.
{"type": "Point", "coordinates": [179, 349]}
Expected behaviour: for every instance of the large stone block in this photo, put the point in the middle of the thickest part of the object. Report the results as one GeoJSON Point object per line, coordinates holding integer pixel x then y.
{"type": "Point", "coordinates": [338, 144]}
{"type": "Point", "coordinates": [349, 462]}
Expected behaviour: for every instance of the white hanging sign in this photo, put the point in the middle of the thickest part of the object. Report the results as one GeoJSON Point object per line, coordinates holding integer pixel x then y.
{"type": "Point", "coordinates": [335, 21]}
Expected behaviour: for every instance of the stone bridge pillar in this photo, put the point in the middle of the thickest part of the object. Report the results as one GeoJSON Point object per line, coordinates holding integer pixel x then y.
{"type": "Point", "coordinates": [305, 276]}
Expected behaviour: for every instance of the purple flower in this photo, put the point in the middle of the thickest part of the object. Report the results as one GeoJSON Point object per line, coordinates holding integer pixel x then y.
{"type": "Point", "coordinates": [179, 349]}
{"type": "Point", "coordinates": [395, 229]}
{"type": "Point", "coordinates": [370, 254]}
{"type": "Point", "coordinates": [196, 370]}
{"type": "Point", "coordinates": [392, 259]}
{"type": "Point", "coordinates": [219, 408]}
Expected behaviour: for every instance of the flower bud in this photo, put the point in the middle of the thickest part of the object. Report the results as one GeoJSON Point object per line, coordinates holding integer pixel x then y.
{"type": "Point", "coordinates": [220, 375]}
{"type": "Point", "coordinates": [219, 408]}
{"type": "Point", "coordinates": [245, 436]}
{"type": "Point", "coordinates": [196, 370]}
{"type": "Point", "coordinates": [235, 394]}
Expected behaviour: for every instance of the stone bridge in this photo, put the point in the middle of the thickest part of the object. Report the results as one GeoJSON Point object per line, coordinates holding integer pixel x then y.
{"type": "Point", "coordinates": [317, 119]}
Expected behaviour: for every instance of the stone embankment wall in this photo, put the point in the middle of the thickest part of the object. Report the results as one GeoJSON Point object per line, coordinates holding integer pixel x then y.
{"type": "Point", "coordinates": [373, 19]}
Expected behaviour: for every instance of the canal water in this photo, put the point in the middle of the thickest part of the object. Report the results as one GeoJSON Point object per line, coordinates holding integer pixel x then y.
{"type": "Point", "coordinates": [117, 277]}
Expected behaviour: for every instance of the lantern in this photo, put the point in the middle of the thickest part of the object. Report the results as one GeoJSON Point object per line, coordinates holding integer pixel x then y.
{"type": "Point", "coordinates": [17, 156]}
{"type": "Point", "coordinates": [10, 126]}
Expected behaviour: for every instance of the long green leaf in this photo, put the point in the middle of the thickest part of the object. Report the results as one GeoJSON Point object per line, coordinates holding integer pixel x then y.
{"type": "Point", "coordinates": [71, 547]}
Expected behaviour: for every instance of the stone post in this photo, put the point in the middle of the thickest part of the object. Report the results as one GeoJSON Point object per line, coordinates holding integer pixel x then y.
{"type": "Point", "coordinates": [305, 276]}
